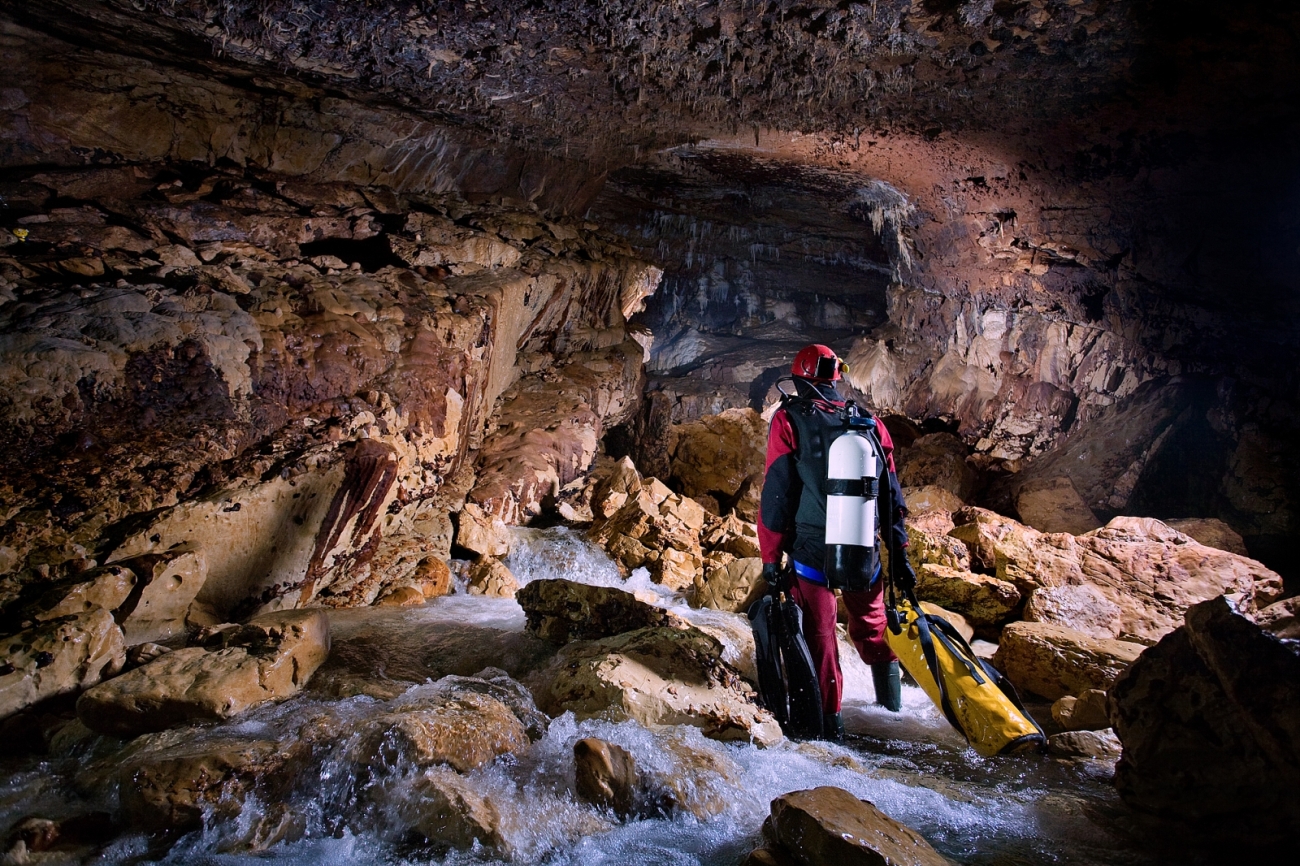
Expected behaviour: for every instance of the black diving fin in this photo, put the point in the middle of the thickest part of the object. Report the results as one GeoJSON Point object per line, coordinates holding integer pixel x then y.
{"type": "Point", "coordinates": [787, 678]}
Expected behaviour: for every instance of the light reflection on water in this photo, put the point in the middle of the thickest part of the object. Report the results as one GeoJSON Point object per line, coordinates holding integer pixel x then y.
{"type": "Point", "coordinates": [1004, 811]}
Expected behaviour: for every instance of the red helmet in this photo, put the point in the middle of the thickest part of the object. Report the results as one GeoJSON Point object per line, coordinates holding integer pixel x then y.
{"type": "Point", "coordinates": [818, 363]}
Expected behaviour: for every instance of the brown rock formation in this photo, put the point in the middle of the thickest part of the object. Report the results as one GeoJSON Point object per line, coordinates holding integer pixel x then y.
{"type": "Point", "coordinates": [1053, 662]}
{"type": "Point", "coordinates": [563, 611]}
{"type": "Point", "coordinates": [1208, 722]}
{"type": "Point", "coordinates": [829, 825]}
{"type": "Point", "coordinates": [61, 655]}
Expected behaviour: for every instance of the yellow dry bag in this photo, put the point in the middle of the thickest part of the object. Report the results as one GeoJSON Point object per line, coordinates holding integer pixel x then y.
{"type": "Point", "coordinates": [972, 695]}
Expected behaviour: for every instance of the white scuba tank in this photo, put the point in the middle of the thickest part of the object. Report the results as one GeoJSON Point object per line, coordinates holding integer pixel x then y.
{"type": "Point", "coordinates": [851, 490]}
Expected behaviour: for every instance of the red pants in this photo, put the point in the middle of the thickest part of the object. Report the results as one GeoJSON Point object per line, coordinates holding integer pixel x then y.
{"type": "Point", "coordinates": [866, 630]}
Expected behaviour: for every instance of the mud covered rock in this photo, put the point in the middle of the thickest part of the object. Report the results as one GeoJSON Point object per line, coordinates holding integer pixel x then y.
{"type": "Point", "coordinates": [825, 826]}
{"type": "Point", "coordinates": [59, 656]}
{"type": "Point", "coordinates": [1208, 721]}
{"type": "Point", "coordinates": [983, 600]}
{"type": "Point", "coordinates": [564, 610]}
{"type": "Point", "coordinates": [270, 658]}
{"type": "Point", "coordinates": [1053, 662]}
{"type": "Point", "coordinates": [659, 676]}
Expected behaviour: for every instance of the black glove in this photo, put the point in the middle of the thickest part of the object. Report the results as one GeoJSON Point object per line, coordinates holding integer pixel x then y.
{"type": "Point", "coordinates": [904, 576]}
{"type": "Point", "coordinates": [775, 577]}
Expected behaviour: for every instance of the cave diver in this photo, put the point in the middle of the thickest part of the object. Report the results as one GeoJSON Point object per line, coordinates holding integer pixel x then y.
{"type": "Point", "coordinates": [805, 481]}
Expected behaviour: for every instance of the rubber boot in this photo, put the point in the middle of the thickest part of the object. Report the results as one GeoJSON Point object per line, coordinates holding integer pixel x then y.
{"type": "Point", "coordinates": [833, 728]}
{"type": "Point", "coordinates": [889, 685]}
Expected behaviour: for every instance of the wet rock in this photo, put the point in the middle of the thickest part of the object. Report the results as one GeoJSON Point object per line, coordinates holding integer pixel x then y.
{"type": "Point", "coordinates": [1282, 618]}
{"type": "Point", "coordinates": [736, 635]}
{"type": "Point", "coordinates": [464, 730]}
{"type": "Point", "coordinates": [1053, 505]}
{"type": "Point", "coordinates": [769, 856]}
{"type": "Point", "coordinates": [446, 809]}
{"type": "Point", "coordinates": [489, 576]}
{"type": "Point", "coordinates": [270, 658]}
{"type": "Point", "coordinates": [402, 596]}
{"type": "Point", "coordinates": [1087, 712]}
{"type": "Point", "coordinates": [168, 583]}
{"type": "Point", "coordinates": [716, 454]}
{"type": "Point", "coordinates": [432, 577]}
{"type": "Point", "coordinates": [827, 825]}
{"type": "Point", "coordinates": [659, 676]}
{"type": "Point", "coordinates": [1054, 662]}
{"type": "Point", "coordinates": [142, 654]}
{"type": "Point", "coordinates": [984, 600]}
{"type": "Point", "coordinates": [563, 610]}
{"type": "Point", "coordinates": [731, 587]}
{"type": "Point", "coordinates": [1098, 745]}
{"type": "Point", "coordinates": [108, 587]}
{"type": "Point", "coordinates": [59, 656]}
{"type": "Point", "coordinates": [606, 775]}
{"type": "Point", "coordinates": [484, 534]}
{"type": "Point", "coordinates": [937, 460]}
{"type": "Point", "coordinates": [1081, 607]}
{"type": "Point", "coordinates": [1208, 721]}
{"type": "Point", "coordinates": [170, 780]}
{"type": "Point", "coordinates": [1211, 532]}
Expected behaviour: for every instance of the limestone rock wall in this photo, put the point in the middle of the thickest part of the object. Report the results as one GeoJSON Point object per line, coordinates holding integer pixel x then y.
{"type": "Point", "coordinates": [300, 378]}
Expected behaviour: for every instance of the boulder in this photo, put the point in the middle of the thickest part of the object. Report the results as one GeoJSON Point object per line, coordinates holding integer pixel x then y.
{"type": "Point", "coordinates": [170, 780]}
{"type": "Point", "coordinates": [1053, 662]}
{"type": "Point", "coordinates": [483, 533]}
{"type": "Point", "coordinates": [107, 587]}
{"type": "Point", "coordinates": [464, 730]}
{"type": "Point", "coordinates": [982, 531]}
{"type": "Point", "coordinates": [446, 809]}
{"type": "Point", "coordinates": [270, 658]}
{"type": "Point", "coordinates": [983, 600]}
{"type": "Point", "coordinates": [59, 656]}
{"type": "Point", "coordinates": [657, 530]}
{"type": "Point", "coordinates": [732, 535]}
{"type": "Point", "coordinates": [830, 827]}
{"type": "Point", "coordinates": [1211, 532]}
{"type": "Point", "coordinates": [613, 490]}
{"type": "Point", "coordinates": [167, 584]}
{"type": "Point", "coordinates": [659, 676]}
{"type": "Point", "coordinates": [1053, 505]}
{"type": "Point", "coordinates": [937, 460]}
{"type": "Point", "coordinates": [927, 548]}
{"type": "Point", "coordinates": [1282, 618]}
{"type": "Point", "coordinates": [1081, 607]}
{"type": "Point", "coordinates": [489, 576]}
{"type": "Point", "coordinates": [716, 454]}
{"type": "Point", "coordinates": [432, 577]}
{"type": "Point", "coordinates": [1087, 712]}
{"type": "Point", "coordinates": [928, 499]}
{"type": "Point", "coordinates": [1101, 745]}
{"type": "Point", "coordinates": [401, 596]}
{"type": "Point", "coordinates": [606, 775]}
{"type": "Point", "coordinates": [955, 619]}
{"type": "Point", "coordinates": [731, 587]}
{"type": "Point", "coordinates": [749, 498]}
{"type": "Point", "coordinates": [1208, 719]}
{"type": "Point", "coordinates": [563, 610]}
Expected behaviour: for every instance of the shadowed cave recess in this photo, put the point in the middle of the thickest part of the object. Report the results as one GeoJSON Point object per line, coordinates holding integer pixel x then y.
{"type": "Point", "coordinates": [333, 293]}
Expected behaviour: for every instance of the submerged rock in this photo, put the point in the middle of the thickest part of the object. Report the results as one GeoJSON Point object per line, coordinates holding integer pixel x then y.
{"type": "Point", "coordinates": [464, 730]}
{"type": "Point", "coordinates": [606, 775]}
{"type": "Point", "coordinates": [446, 809]}
{"type": "Point", "coordinates": [658, 676]}
{"type": "Point", "coordinates": [59, 656]}
{"type": "Point", "coordinates": [1208, 719]}
{"type": "Point", "coordinates": [270, 658]}
{"type": "Point", "coordinates": [830, 827]}
{"type": "Point", "coordinates": [1053, 662]}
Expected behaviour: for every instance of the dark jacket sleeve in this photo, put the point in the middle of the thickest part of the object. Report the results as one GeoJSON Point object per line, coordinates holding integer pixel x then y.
{"type": "Point", "coordinates": [782, 488]}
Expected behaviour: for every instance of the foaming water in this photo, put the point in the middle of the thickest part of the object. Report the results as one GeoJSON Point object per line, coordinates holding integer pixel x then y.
{"type": "Point", "coordinates": [345, 808]}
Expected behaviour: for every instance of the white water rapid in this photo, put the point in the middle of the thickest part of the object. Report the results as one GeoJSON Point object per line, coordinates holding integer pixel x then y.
{"type": "Point", "coordinates": [1004, 811]}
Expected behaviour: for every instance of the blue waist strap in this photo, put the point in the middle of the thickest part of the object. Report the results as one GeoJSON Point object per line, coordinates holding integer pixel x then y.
{"type": "Point", "coordinates": [807, 572]}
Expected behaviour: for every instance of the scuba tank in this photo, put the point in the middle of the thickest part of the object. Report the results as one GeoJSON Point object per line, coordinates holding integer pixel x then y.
{"type": "Point", "coordinates": [852, 486]}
